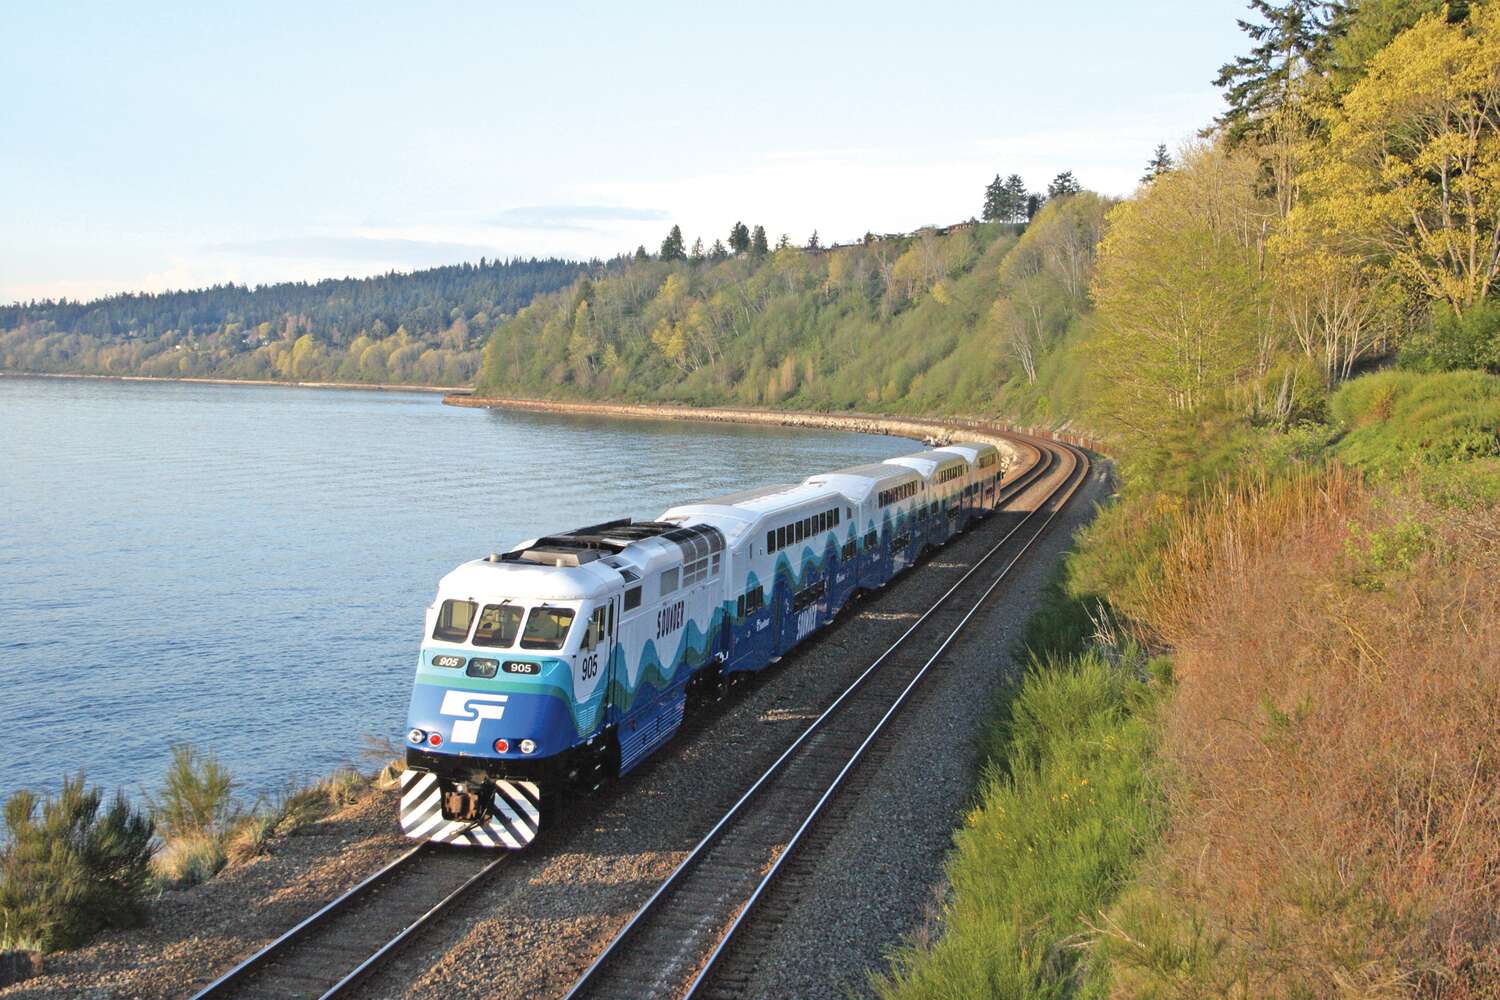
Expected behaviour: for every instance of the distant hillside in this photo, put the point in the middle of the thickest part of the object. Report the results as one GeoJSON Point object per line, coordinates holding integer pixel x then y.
{"type": "Point", "coordinates": [941, 320]}
{"type": "Point", "coordinates": [423, 327]}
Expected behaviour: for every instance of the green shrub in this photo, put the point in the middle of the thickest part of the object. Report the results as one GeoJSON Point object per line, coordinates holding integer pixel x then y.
{"type": "Point", "coordinates": [72, 870]}
{"type": "Point", "coordinates": [188, 859]}
{"type": "Point", "coordinates": [1457, 342]}
{"type": "Point", "coordinates": [197, 797]}
{"type": "Point", "coordinates": [1395, 421]}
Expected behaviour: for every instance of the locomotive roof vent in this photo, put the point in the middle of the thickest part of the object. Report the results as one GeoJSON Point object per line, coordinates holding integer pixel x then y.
{"type": "Point", "coordinates": [554, 556]}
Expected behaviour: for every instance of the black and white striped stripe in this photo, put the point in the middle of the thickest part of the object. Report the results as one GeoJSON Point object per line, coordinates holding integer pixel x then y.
{"type": "Point", "coordinates": [515, 808]}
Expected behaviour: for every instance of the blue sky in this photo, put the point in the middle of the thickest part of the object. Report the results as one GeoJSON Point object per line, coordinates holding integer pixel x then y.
{"type": "Point", "coordinates": [181, 145]}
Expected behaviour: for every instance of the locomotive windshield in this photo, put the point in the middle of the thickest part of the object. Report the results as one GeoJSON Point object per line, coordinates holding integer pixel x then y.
{"type": "Point", "coordinates": [498, 625]}
{"type": "Point", "coordinates": [547, 628]}
{"type": "Point", "coordinates": [453, 621]}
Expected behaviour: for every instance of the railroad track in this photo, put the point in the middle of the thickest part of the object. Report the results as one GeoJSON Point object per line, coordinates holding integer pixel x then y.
{"type": "Point", "coordinates": [339, 946]}
{"type": "Point", "coordinates": [674, 943]}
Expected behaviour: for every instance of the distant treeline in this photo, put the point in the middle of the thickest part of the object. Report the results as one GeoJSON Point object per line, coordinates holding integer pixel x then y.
{"type": "Point", "coordinates": [422, 327]}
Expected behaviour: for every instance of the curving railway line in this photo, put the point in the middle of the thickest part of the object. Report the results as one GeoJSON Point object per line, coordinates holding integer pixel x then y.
{"type": "Point", "coordinates": [673, 945]}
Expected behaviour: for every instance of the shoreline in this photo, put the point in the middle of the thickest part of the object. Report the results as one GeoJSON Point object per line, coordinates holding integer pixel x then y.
{"type": "Point", "coordinates": [211, 380]}
{"type": "Point", "coordinates": [931, 430]}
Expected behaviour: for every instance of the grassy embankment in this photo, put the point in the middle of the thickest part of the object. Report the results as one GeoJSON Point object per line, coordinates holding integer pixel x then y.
{"type": "Point", "coordinates": [1309, 806]}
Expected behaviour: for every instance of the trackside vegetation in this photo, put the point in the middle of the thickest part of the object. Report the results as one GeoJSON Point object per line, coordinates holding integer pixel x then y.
{"type": "Point", "coordinates": [1289, 343]}
{"type": "Point", "coordinates": [72, 865]}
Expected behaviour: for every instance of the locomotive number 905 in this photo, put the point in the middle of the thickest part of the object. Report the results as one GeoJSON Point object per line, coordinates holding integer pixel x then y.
{"type": "Point", "coordinates": [669, 620]}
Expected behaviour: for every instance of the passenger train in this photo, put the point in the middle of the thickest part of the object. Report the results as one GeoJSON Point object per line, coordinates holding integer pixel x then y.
{"type": "Point", "coordinates": [572, 657]}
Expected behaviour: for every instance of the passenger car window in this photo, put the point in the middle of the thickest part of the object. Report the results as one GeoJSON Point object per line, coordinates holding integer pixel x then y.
{"type": "Point", "coordinates": [499, 624]}
{"type": "Point", "coordinates": [453, 621]}
{"type": "Point", "coordinates": [547, 628]}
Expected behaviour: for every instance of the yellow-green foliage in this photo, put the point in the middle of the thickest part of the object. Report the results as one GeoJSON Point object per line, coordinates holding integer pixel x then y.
{"type": "Point", "coordinates": [928, 323]}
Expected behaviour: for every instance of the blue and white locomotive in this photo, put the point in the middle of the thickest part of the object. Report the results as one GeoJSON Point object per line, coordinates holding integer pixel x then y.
{"type": "Point", "coordinates": [570, 658]}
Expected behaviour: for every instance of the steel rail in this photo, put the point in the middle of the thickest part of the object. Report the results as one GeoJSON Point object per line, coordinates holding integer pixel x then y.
{"type": "Point", "coordinates": [386, 950]}
{"type": "Point", "coordinates": [244, 975]}
{"type": "Point", "coordinates": [1068, 488]}
{"type": "Point", "coordinates": [243, 970]}
{"type": "Point", "coordinates": [1052, 455]}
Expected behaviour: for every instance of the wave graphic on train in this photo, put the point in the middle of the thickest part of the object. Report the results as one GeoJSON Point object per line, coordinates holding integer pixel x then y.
{"type": "Point", "coordinates": [568, 660]}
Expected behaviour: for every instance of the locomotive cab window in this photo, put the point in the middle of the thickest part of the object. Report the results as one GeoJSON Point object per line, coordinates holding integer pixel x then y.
{"type": "Point", "coordinates": [668, 581]}
{"type": "Point", "coordinates": [499, 624]}
{"type": "Point", "coordinates": [547, 628]}
{"type": "Point", "coordinates": [632, 598]}
{"type": "Point", "coordinates": [453, 621]}
{"type": "Point", "coordinates": [594, 635]}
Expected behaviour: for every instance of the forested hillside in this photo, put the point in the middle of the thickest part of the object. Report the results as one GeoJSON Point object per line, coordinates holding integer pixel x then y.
{"type": "Point", "coordinates": [935, 321]}
{"type": "Point", "coordinates": [425, 327]}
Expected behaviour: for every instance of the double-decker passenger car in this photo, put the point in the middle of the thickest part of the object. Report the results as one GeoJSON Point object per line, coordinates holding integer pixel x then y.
{"type": "Point", "coordinates": [570, 658]}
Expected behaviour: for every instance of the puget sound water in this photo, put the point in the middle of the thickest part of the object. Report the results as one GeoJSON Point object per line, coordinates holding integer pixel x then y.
{"type": "Point", "coordinates": [245, 567]}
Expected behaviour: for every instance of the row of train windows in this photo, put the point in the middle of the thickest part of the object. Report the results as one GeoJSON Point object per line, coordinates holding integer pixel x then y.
{"type": "Point", "coordinates": [694, 572]}
{"type": "Point", "coordinates": [786, 535]}
{"type": "Point", "coordinates": [500, 624]}
{"type": "Point", "coordinates": [890, 496]}
{"type": "Point", "coordinates": [950, 474]}
{"type": "Point", "coordinates": [985, 461]}
{"type": "Point", "coordinates": [750, 602]}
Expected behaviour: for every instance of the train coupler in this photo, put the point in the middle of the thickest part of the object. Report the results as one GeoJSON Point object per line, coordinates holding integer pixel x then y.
{"type": "Point", "coordinates": [501, 813]}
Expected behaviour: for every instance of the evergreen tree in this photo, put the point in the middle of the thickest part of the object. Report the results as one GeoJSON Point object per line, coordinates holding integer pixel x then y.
{"type": "Point", "coordinates": [739, 238]}
{"type": "Point", "coordinates": [784, 242]}
{"type": "Point", "coordinates": [1014, 202]}
{"type": "Point", "coordinates": [1063, 185]}
{"type": "Point", "coordinates": [641, 254]}
{"type": "Point", "coordinates": [697, 255]}
{"type": "Point", "coordinates": [1160, 163]}
{"type": "Point", "coordinates": [812, 241]}
{"type": "Point", "coordinates": [994, 201]}
{"type": "Point", "coordinates": [718, 251]}
{"type": "Point", "coordinates": [1033, 205]}
{"type": "Point", "coordinates": [671, 247]}
{"type": "Point", "coordinates": [1289, 38]}
{"type": "Point", "coordinates": [758, 242]}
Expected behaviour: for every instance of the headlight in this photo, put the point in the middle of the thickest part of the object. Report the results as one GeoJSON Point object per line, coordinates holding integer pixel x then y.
{"type": "Point", "coordinates": [416, 736]}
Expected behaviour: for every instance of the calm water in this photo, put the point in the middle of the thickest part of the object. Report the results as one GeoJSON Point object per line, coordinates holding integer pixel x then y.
{"type": "Point", "coordinates": [245, 567]}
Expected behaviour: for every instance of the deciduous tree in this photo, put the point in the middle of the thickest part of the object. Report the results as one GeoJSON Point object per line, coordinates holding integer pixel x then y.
{"type": "Point", "coordinates": [1409, 172]}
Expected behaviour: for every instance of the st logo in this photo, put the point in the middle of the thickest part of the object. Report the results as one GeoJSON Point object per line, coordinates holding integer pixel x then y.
{"type": "Point", "coordinates": [471, 709]}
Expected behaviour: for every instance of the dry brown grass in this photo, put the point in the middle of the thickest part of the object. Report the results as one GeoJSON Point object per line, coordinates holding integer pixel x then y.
{"type": "Point", "coordinates": [1333, 752]}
